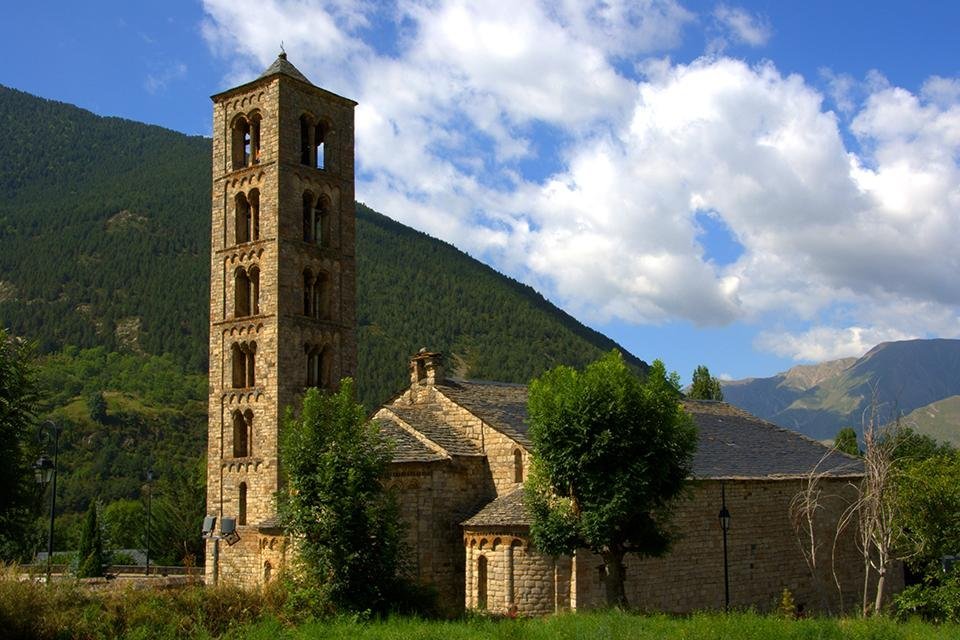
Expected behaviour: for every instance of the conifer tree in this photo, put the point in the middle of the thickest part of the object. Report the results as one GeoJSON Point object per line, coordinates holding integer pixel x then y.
{"type": "Point", "coordinates": [705, 386]}
{"type": "Point", "coordinates": [90, 554]}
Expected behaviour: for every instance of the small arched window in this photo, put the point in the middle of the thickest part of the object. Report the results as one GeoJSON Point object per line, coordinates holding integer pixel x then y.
{"type": "Point", "coordinates": [243, 357]}
{"type": "Point", "coordinates": [242, 504]}
{"type": "Point", "coordinates": [253, 156]}
{"type": "Point", "coordinates": [239, 361]}
{"type": "Point", "coordinates": [321, 222]}
{"type": "Point", "coordinates": [254, 278]}
{"type": "Point", "coordinates": [326, 368]}
{"type": "Point", "coordinates": [254, 200]}
{"type": "Point", "coordinates": [482, 582]}
{"type": "Point", "coordinates": [307, 293]}
{"type": "Point", "coordinates": [242, 207]}
{"type": "Point", "coordinates": [308, 217]}
{"type": "Point", "coordinates": [241, 290]}
{"type": "Point", "coordinates": [321, 297]}
{"type": "Point", "coordinates": [517, 465]}
{"type": "Point", "coordinates": [241, 441]}
{"type": "Point", "coordinates": [267, 571]}
{"type": "Point", "coordinates": [306, 139]}
{"type": "Point", "coordinates": [241, 142]}
{"type": "Point", "coordinates": [322, 146]}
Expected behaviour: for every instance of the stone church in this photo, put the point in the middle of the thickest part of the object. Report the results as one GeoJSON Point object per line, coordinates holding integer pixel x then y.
{"type": "Point", "coordinates": [282, 318]}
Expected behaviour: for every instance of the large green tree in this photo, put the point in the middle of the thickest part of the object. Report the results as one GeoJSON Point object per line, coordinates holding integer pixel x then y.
{"type": "Point", "coordinates": [335, 504]}
{"type": "Point", "coordinates": [928, 497]}
{"type": "Point", "coordinates": [705, 386]}
{"type": "Point", "coordinates": [610, 455]}
{"type": "Point", "coordinates": [18, 400]}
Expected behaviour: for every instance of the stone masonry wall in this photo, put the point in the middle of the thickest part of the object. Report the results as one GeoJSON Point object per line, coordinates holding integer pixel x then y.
{"type": "Point", "coordinates": [434, 498]}
{"type": "Point", "coordinates": [764, 554]}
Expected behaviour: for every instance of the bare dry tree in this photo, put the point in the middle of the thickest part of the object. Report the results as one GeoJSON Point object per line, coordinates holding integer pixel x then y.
{"type": "Point", "coordinates": [874, 511]}
{"type": "Point", "coordinates": [803, 514]}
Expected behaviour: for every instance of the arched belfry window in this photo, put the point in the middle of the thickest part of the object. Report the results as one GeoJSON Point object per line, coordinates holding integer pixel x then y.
{"type": "Point", "coordinates": [321, 222]}
{"type": "Point", "coordinates": [243, 218]}
{"type": "Point", "coordinates": [246, 292]}
{"type": "Point", "coordinates": [254, 277]}
{"type": "Point", "coordinates": [517, 465]}
{"type": "Point", "coordinates": [254, 204]}
{"type": "Point", "coordinates": [319, 366]}
{"type": "Point", "coordinates": [307, 293]}
{"type": "Point", "coordinates": [308, 217]}
{"type": "Point", "coordinates": [242, 504]}
{"type": "Point", "coordinates": [321, 297]}
{"type": "Point", "coordinates": [241, 291]}
{"type": "Point", "coordinates": [321, 148]}
{"type": "Point", "coordinates": [242, 356]}
{"type": "Point", "coordinates": [241, 435]}
{"type": "Point", "coordinates": [307, 131]}
{"type": "Point", "coordinates": [253, 156]}
{"type": "Point", "coordinates": [240, 146]}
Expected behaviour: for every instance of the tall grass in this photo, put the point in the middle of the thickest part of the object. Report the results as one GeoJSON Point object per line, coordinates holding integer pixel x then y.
{"type": "Point", "coordinates": [70, 610]}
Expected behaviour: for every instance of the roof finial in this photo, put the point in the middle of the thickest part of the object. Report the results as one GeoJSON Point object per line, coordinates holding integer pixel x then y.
{"type": "Point", "coordinates": [283, 52]}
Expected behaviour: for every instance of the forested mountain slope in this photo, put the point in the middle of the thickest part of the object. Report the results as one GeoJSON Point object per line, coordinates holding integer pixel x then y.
{"type": "Point", "coordinates": [104, 241]}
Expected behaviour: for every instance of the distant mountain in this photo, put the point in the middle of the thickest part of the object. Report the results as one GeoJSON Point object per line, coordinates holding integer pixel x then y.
{"type": "Point", "coordinates": [820, 399]}
{"type": "Point", "coordinates": [105, 241]}
{"type": "Point", "coordinates": [940, 420]}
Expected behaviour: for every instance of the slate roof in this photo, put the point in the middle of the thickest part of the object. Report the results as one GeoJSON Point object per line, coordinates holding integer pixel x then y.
{"type": "Point", "coordinates": [428, 421]}
{"type": "Point", "coordinates": [501, 405]}
{"type": "Point", "coordinates": [735, 444]}
{"type": "Point", "coordinates": [507, 510]}
{"type": "Point", "coordinates": [406, 447]}
{"type": "Point", "coordinates": [282, 65]}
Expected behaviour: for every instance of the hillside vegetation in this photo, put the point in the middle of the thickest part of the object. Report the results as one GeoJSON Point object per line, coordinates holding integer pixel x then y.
{"type": "Point", "coordinates": [104, 262]}
{"type": "Point", "coordinates": [104, 241]}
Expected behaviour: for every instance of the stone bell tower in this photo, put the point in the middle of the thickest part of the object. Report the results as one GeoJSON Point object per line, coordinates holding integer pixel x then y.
{"type": "Point", "coordinates": [282, 295]}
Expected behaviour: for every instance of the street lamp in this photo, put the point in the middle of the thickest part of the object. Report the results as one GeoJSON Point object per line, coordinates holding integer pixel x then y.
{"type": "Point", "coordinates": [725, 527]}
{"type": "Point", "coordinates": [45, 472]}
{"type": "Point", "coordinates": [228, 533]}
{"type": "Point", "coordinates": [149, 500]}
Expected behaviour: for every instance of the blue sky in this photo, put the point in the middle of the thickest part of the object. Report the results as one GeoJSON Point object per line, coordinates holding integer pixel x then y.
{"type": "Point", "coordinates": [747, 185]}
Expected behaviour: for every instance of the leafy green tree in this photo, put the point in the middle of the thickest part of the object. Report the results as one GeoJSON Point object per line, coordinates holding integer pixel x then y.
{"type": "Point", "coordinates": [179, 504]}
{"type": "Point", "coordinates": [846, 441]}
{"type": "Point", "coordinates": [928, 501]}
{"type": "Point", "coordinates": [335, 503]}
{"type": "Point", "coordinates": [18, 399]}
{"type": "Point", "coordinates": [610, 454]}
{"type": "Point", "coordinates": [123, 521]}
{"type": "Point", "coordinates": [97, 405]}
{"type": "Point", "coordinates": [705, 386]}
{"type": "Point", "coordinates": [90, 554]}
{"type": "Point", "coordinates": [908, 446]}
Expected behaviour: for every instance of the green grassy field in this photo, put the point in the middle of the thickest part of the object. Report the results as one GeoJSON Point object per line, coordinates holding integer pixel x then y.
{"type": "Point", "coordinates": [32, 610]}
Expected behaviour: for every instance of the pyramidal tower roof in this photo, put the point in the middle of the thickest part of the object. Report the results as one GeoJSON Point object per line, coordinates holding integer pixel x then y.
{"type": "Point", "coordinates": [282, 65]}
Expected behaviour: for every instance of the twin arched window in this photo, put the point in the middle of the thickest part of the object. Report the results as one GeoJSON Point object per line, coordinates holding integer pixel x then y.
{"type": "Point", "coordinates": [316, 295]}
{"type": "Point", "coordinates": [316, 219]}
{"type": "Point", "coordinates": [242, 433]}
{"type": "Point", "coordinates": [243, 355]}
{"type": "Point", "coordinates": [315, 142]}
{"type": "Point", "coordinates": [319, 366]}
{"type": "Point", "coordinates": [245, 140]}
{"type": "Point", "coordinates": [247, 210]}
{"type": "Point", "coordinates": [246, 289]}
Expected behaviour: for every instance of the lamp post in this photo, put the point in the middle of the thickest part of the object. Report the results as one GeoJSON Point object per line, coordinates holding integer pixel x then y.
{"type": "Point", "coordinates": [149, 500]}
{"type": "Point", "coordinates": [45, 472]}
{"type": "Point", "coordinates": [725, 527]}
